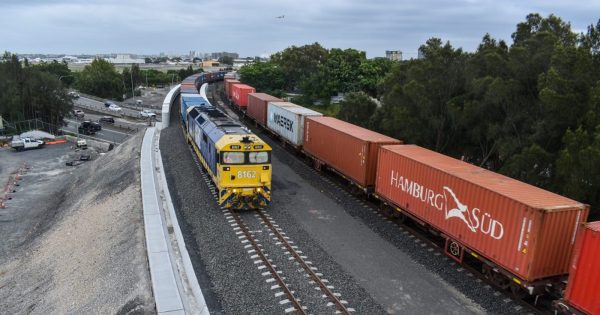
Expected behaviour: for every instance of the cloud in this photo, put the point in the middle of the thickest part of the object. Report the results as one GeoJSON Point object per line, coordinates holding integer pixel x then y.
{"type": "Point", "coordinates": [250, 27]}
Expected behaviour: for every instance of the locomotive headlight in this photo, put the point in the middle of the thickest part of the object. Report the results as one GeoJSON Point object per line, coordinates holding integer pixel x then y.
{"type": "Point", "coordinates": [226, 168]}
{"type": "Point", "coordinates": [266, 167]}
{"type": "Point", "coordinates": [234, 190]}
{"type": "Point", "coordinates": [258, 189]}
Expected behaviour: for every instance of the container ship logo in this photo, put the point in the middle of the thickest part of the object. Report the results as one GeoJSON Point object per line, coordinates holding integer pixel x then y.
{"type": "Point", "coordinates": [477, 220]}
{"type": "Point", "coordinates": [460, 212]}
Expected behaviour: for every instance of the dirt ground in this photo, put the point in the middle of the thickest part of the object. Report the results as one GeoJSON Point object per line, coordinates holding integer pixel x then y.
{"type": "Point", "coordinates": [73, 237]}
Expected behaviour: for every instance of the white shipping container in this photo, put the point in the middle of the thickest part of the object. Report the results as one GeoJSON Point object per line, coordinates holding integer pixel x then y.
{"type": "Point", "coordinates": [287, 120]}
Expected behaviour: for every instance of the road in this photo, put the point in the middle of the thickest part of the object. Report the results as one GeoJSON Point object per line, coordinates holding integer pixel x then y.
{"type": "Point", "coordinates": [99, 106]}
{"type": "Point", "coordinates": [106, 134]}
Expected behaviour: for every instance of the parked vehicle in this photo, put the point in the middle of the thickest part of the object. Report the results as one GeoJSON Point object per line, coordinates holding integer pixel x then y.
{"type": "Point", "coordinates": [78, 113]}
{"type": "Point", "coordinates": [82, 144]}
{"type": "Point", "coordinates": [115, 108]}
{"type": "Point", "coordinates": [25, 144]}
{"type": "Point", "coordinates": [106, 119]}
{"type": "Point", "coordinates": [147, 114]}
{"type": "Point", "coordinates": [73, 94]}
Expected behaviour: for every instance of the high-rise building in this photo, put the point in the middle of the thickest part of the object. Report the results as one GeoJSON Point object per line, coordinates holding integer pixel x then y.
{"type": "Point", "coordinates": [394, 55]}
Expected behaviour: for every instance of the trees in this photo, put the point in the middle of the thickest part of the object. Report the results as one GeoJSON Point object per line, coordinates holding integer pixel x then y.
{"type": "Point", "coordinates": [59, 69]}
{"type": "Point", "coordinates": [29, 93]}
{"type": "Point", "coordinates": [264, 76]}
{"type": "Point", "coordinates": [357, 108]}
{"type": "Point", "coordinates": [101, 79]}
{"type": "Point", "coordinates": [298, 63]}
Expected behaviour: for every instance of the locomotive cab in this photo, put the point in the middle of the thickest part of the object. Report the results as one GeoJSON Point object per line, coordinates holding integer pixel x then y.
{"type": "Point", "coordinates": [244, 172]}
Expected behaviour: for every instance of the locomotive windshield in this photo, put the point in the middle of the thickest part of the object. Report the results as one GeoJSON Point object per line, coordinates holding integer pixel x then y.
{"type": "Point", "coordinates": [233, 157]}
{"type": "Point", "coordinates": [258, 157]}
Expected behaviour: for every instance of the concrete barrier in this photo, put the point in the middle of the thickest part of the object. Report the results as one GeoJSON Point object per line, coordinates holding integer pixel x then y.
{"type": "Point", "coordinates": [166, 107]}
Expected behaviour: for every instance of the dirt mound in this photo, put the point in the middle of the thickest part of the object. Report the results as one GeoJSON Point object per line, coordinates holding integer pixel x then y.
{"type": "Point", "coordinates": [92, 259]}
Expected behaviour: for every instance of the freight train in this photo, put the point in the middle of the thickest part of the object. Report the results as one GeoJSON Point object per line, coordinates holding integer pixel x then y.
{"type": "Point", "coordinates": [237, 161]}
{"type": "Point", "coordinates": [526, 240]}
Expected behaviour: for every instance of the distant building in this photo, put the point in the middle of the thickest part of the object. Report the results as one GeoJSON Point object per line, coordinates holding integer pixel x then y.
{"type": "Point", "coordinates": [393, 55]}
{"type": "Point", "coordinates": [210, 63]}
{"type": "Point", "coordinates": [217, 55]}
{"type": "Point", "coordinates": [125, 59]}
{"type": "Point", "coordinates": [238, 63]}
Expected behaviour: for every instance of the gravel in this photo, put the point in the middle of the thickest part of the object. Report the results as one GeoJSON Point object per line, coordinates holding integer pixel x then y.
{"type": "Point", "coordinates": [90, 257]}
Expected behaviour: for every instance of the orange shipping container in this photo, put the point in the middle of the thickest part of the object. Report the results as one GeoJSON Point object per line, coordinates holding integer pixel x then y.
{"type": "Point", "coordinates": [258, 105]}
{"type": "Point", "coordinates": [239, 94]}
{"type": "Point", "coordinates": [526, 230]}
{"type": "Point", "coordinates": [348, 149]}
{"type": "Point", "coordinates": [583, 289]}
{"type": "Point", "coordinates": [228, 83]}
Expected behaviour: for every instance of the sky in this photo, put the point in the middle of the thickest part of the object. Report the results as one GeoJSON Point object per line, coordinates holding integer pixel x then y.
{"type": "Point", "coordinates": [251, 27]}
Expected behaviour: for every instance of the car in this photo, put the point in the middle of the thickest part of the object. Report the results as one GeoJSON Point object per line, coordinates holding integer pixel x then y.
{"type": "Point", "coordinates": [73, 94]}
{"type": "Point", "coordinates": [106, 119]}
{"type": "Point", "coordinates": [90, 127]}
{"type": "Point", "coordinates": [78, 113]}
{"type": "Point", "coordinates": [147, 114]}
{"type": "Point", "coordinates": [107, 104]}
{"type": "Point", "coordinates": [114, 108]}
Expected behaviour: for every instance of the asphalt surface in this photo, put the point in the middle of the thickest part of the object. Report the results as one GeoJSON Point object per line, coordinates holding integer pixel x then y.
{"type": "Point", "coordinates": [106, 134]}
{"type": "Point", "coordinates": [99, 106]}
{"type": "Point", "coordinates": [375, 265]}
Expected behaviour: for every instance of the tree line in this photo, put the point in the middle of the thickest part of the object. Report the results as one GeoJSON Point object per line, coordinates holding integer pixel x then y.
{"type": "Point", "coordinates": [529, 110]}
{"type": "Point", "coordinates": [39, 91]}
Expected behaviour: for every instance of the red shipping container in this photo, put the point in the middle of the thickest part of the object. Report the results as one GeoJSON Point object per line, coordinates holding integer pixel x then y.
{"type": "Point", "coordinates": [348, 149]}
{"type": "Point", "coordinates": [239, 94]}
{"type": "Point", "coordinates": [228, 83]}
{"type": "Point", "coordinates": [258, 105]}
{"type": "Point", "coordinates": [583, 289]}
{"type": "Point", "coordinates": [525, 230]}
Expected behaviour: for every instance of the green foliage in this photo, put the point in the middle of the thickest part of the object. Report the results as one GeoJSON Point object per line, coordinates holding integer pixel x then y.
{"type": "Point", "coordinates": [102, 80]}
{"type": "Point", "coordinates": [357, 108]}
{"type": "Point", "coordinates": [32, 92]}
{"type": "Point", "coordinates": [59, 69]}
{"type": "Point", "coordinates": [297, 63]}
{"type": "Point", "coordinates": [264, 76]}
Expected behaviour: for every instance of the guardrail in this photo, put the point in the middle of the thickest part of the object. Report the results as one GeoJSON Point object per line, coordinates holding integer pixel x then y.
{"type": "Point", "coordinates": [120, 104]}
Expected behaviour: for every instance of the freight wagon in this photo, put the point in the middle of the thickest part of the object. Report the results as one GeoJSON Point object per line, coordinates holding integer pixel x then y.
{"type": "Point", "coordinates": [523, 235]}
{"type": "Point", "coordinates": [257, 107]}
{"type": "Point", "coordinates": [349, 150]}
{"type": "Point", "coordinates": [287, 121]}
{"type": "Point", "coordinates": [239, 95]}
{"type": "Point", "coordinates": [228, 83]}
{"type": "Point", "coordinates": [583, 288]}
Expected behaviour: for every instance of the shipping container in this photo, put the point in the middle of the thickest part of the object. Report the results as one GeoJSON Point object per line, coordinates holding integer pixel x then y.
{"type": "Point", "coordinates": [239, 94]}
{"type": "Point", "coordinates": [287, 120]}
{"type": "Point", "coordinates": [189, 100]}
{"type": "Point", "coordinates": [228, 83]}
{"type": "Point", "coordinates": [583, 289]}
{"type": "Point", "coordinates": [524, 230]}
{"type": "Point", "coordinates": [346, 148]}
{"type": "Point", "coordinates": [257, 106]}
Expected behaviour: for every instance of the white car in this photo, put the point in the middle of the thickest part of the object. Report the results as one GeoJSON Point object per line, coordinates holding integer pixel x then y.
{"type": "Point", "coordinates": [115, 108]}
{"type": "Point", "coordinates": [147, 114]}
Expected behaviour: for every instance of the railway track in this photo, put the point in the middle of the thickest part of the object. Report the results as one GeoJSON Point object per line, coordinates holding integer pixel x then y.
{"type": "Point", "coordinates": [316, 291]}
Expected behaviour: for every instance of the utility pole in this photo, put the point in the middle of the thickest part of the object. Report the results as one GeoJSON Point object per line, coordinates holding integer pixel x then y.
{"type": "Point", "coordinates": [132, 91]}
